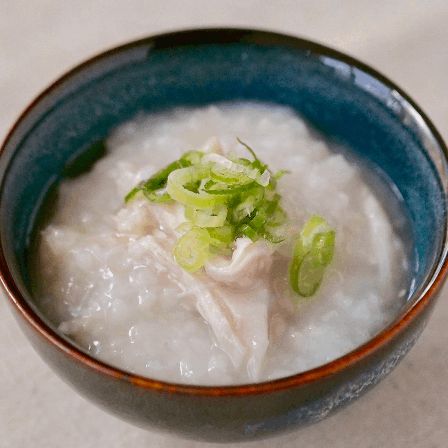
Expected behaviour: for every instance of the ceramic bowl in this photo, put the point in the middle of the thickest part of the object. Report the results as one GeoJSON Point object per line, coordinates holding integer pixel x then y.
{"type": "Point", "coordinates": [342, 97]}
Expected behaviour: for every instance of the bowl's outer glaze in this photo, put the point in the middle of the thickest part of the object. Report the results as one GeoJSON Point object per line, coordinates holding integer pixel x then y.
{"type": "Point", "coordinates": [63, 129]}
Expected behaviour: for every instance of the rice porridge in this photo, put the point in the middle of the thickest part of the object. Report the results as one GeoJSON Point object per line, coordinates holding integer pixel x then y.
{"type": "Point", "coordinates": [106, 276]}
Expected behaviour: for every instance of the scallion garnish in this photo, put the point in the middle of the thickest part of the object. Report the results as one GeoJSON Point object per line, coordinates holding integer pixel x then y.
{"type": "Point", "coordinates": [312, 253]}
{"type": "Point", "coordinates": [158, 181]}
{"type": "Point", "coordinates": [230, 197]}
{"type": "Point", "coordinates": [192, 250]}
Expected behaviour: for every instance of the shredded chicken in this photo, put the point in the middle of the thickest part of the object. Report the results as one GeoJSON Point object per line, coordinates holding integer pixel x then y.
{"type": "Point", "coordinates": [207, 304]}
{"type": "Point", "coordinates": [142, 218]}
{"type": "Point", "coordinates": [237, 317]}
{"type": "Point", "coordinates": [249, 264]}
{"type": "Point", "coordinates": [239, 321]}
{"type": "Point", "coordinates": [248, 314]}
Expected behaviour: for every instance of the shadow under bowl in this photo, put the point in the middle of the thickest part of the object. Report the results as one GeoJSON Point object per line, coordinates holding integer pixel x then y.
{"type": "Point", "coordinates": [61, 133]}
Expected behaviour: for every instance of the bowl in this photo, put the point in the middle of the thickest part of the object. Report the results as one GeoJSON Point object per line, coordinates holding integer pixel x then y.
{"type": "Point", "coordinates": [341, 97]}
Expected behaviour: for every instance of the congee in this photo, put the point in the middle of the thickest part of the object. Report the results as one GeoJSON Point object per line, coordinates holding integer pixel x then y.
{"type": "Point", "coordinates": [223, 245]}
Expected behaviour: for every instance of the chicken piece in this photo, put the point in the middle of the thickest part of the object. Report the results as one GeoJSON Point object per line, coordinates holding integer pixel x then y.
{"type": "Point", "coordinates": [169, 218]}
{"type": "Point", "coordinates": [248, 314]}
{"type": "Point", "coordinates": [135, 218]}
{"type": "Point", "coordinates": [141, 217]}
{"type": "Point", "coordinates": [199, 293]}
{"type": "Point", "coordinates": [238, 318]}
{"type": "Point", "coordinates": [221, 322]}
{"type": "Point", "coordinates": [249, 264]}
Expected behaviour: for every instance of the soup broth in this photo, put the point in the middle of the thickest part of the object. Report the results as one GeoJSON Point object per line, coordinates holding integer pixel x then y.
{"type": "Point", "coordinates": [105, 275]}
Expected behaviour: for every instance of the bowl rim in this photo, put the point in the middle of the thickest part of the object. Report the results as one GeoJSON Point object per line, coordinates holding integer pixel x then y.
{"type": "Point", "coordinates": [223, 36]}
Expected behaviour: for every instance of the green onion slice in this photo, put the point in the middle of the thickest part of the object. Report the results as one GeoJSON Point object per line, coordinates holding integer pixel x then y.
{"type": "Point", "coordinates": [225, 234]}
{"type": "Point", "coordinates": [312, 253]}
{"type": "Point", "coordinates": [256, 163]}
{"type": "Point", "coordinates": [156, 182]}
{"type": "Point", "coordinates": [178, 181]}
{"type": "Point", "coordinates": [306, 275]}
{"type": "Point", "coordinates": [323, 248]}
{"type": "Point", "coordinates": [192, 249]}
{"type": "Point", "coordinates": [210, 217]}
{"type": "Point", "coordinates": [193, 157]}
{"type": "Point", "coordinates": [157, 196]}
{"type": "Point", "coordinates": [213, 187]}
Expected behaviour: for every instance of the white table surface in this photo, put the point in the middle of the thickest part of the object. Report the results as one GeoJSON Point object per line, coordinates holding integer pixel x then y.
{"type": "Point", "coordinates": [407, 40]}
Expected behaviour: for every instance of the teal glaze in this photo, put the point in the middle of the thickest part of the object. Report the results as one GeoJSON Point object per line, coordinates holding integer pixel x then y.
{"type": "Point", "coordinates": [346, 100]}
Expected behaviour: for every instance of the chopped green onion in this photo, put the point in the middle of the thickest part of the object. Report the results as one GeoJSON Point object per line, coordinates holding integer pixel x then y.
{"type": "Point", "coordinates": [212, 187]}
{"type": "Point", "coordinates": [224, 234]}
{"type": "Point", "coordinates": [323, 247]}
{"type": "Point", "coordinates": [189, 213]}
{"type": "Point", "coordinates": [229, 197]}
{"type": "Point", "coordinates": [280, 173]}
{"type": "Point", "coordinates": [179, 179]}
{"type": "Point", "coordinates": [277, 218]}
{"type": "Point", "coordinates": [193, 157]}
{"type": "Point", "coordinates": [249, 201]}
{"type": "Point", "coordinates": [258, 220]}
{"type": "Point", "coordinates": [256, 163]}
{"type": "Point", "coordinates": [192, 249]}
{"type": "Point", "coordinates": [226, 170]}
{"type": "Point", "coordinates": [273, 180]}
{"type": "Point", "coordinates": [157, 197]}
{"type": "Point", "coordinates": [248, 231]}
{"type": "Point", "coordinates": [233, 171]}
{"type": "Point", "coordinates": [184, 227]}
{"type": "Point", "coordinates": [158, 181]}
{"type": "Point", "coordinates": [308, 275]}
{"type": "Point", "coordinates": [268, 236]}
{"type": "Point", "coordinates": [312, 254]}
{"type": "Point", "coordinates": [213, 217]}
{"type": "Point", "coordinates": [132, 194]}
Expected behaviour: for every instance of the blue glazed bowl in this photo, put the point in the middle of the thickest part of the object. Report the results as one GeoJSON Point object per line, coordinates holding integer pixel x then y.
{"type": "Point", "coordinates": [62, 130]}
